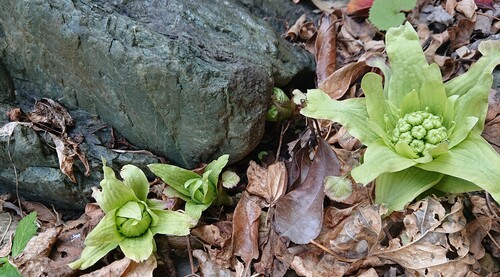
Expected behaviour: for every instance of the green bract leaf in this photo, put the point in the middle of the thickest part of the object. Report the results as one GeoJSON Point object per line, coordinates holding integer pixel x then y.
{"type": "Point", "coordinates": [409, 68]}
{"type": "Point", "coordinates": [136, 180]}
{"type": "Point", "coordinates": [452, 184]}
{"type": "Point", "coordinates": [138, 248]}
{"type": "Point", "coordinates": [24, 232]}
{"type": "Point", "coordinates": [385, 14]}
{"type": "Point", "coordinates": [379, 110]}
{"type": "Point", "coordinates": [372, 165]}
{"type": "Point", "coordinates": [174, 176]}
{"type": "Point", "coordinates": [92, 254]}
{"type": "Point", "coordinates": [398, 189]}
{"type": "Point", "coordinates": [351, 113]}
{"type": "Point", "coordinates": [105, 232]}
{"type": "Point", "coordinates": [216, 168]}
{"type": "Point", "coordinates": [7, 269]}
{"type": "Point", "coordinates": [230, 179]}
{"type": "Point", "coordinates": [114, 192]}
{"type": "Point", "coordinates": [172, 223]}
{"type": "Point", "coordinates": [473, 160]}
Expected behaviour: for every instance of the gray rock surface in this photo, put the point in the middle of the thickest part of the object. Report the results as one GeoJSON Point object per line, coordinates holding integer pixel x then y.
{"type": "Point", "coordinates": [39, 178]}
{"type": "Point", "coordinates": [182, 78]}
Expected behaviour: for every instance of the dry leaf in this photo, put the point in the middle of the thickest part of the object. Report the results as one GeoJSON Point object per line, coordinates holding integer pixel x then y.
{"type": "Point", "coordinates": [294, 32]}
{"type": "Point", "coordinates": [432, 240]}
{"type": "Point", "coordinates": [269, 184]}
{"type": "Point", "coordinates": [209, 268]}
{"type": "Point", "coordinates": [49, 114]}
{"type": "Point", "coordinates": [359, 7]}
{"type": "Point", "coordinates": [326, 47]}
{"type": "Point", "coordinates": [299, 214]}
{"type": "Point", "coordinates": [339, 82]}
{"type": "Point", "coordinates": [467, 8]}
{"type": "Point", "coordinates": [461, 33]}
{"type": "Point", "coordinates": [126, 268]}
{"type": "Point", "coordinates": [246, 228]}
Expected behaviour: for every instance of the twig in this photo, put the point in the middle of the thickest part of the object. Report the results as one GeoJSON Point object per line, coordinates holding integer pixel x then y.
{"type": "Point", "coordinates": [191, 263]}
{"type": "Point", "coordinates": [7, 228]}
{"type": "Point", "coordinates": [283, 130]}
{"type": "Point", "coordinates": [488, 203]}
{"type": "Point", "coordinates": [487, 15]}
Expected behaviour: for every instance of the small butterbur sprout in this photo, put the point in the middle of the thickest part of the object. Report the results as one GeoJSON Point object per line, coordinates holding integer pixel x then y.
{"type": "Point", "coordinates": [230, 179]}
{"type": "Point", "coordinates": [337, 188]}
{"type": "Point", "coordinates": [420, 133]}
{"type": "Point", "coordinates": [199, 192]}
{"type": "Point", "coordinates": [131, 220]}
{"type": "Point", "coordinates": [281, 107]}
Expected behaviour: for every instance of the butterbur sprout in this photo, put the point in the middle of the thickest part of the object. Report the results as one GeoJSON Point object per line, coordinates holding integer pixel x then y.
{"type": "Point", "coordinates": [131, 220]}
{"type": "Point", "coordinates": [420, 133]}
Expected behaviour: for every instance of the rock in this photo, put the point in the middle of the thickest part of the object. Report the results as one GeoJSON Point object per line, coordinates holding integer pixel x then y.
{"type": "Point", "coordinates": [174, 77]}
{"type": "Point", "coordinates": [38, 176]}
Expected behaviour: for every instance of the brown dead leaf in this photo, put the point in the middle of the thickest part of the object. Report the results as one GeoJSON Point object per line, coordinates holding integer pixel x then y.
{"type": "Point", "coordinates": [126, 268]}
{"type": "Point", "coordinates": [246, 228]}
{"type": "Point", "coordinates": [326, 47]}
{"type": "Point", "coordinates": [274, 259]}
{"type": "Point", "coordinates": [299, 214]}
{"type": "Point", "coordinates": [8, 225]}
{"type": "Point", "coordinates": [301, 30]}
{"type": "Point", "coordinates": [269, 184]}
{"type": "Point", "coordinates": [43, 213]}
{"type": "Point", "coordinates": [359, 7]}
{"type": "Point", "coordinates": [49, 114]}
{"type": "Point", "coordinates": [461, 33]}
{"type": "Point", "coordinates": [432, 240]}
{"type": "Point", "coordinates": [476, 231]}
{"type": "Point", "coordinates": [467, 8]}
{"type": "Point", "coordinates": [209, 268]}
{"type": "Point", "coordinates": [67, 149]}
{"type": "Point", "coordinates": [359, 234]}
{"type": "Point", "coordinates": [217, 239]}
{"type": "Point", "coordinates": [339, 82]}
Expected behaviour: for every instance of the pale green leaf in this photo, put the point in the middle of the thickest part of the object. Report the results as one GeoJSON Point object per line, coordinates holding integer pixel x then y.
{"type": "Point", "coordinates": [105, 232]}
{"type": "Point", "coordinates": [379, 110]}
{"type": "Point", "coordinates": [433, 96]}
{"type": "Point", "coordinates": [130, 210]}
{"type": "Point", "coordinates": [216, 168]}
{"type": "Point", "coordinates": [379, 159]}
{"type": "Point", "coordinates": [398, 189]}
{"type": "Point", "coordinates": [194, 210]}
{"type": "Point", "coordinates": [450, 184]}
{"type": "Point", "coordinates": [174, 176]}
{"type": "Point", "coordinates": [135, 179]}
{"type": "Point", "coordinates": [92, 254]}
{"type": "Point", "coordinates": [463, 83]}
{"type": "Point", "coordinates": [351, 113]}
{"type": "Point", "coordinates": [172, 223]}
{"type": "Point", "coordinates": [114, 192]}
{"type": "Point", "coordinates": [385, 14]}
{"type": "Point", "coordinates": [410, 103]}
{"type": "Point", "coordinates": [462, 130]}
{"type": "Point", "coordinates": [156, 204]}
{"type": "Point", "coordinates": [473, 160]}
{"type": "Point", "coordinates": [409, 68]}
{"type": "Point", "coordinates": [7, 269]}
{"type": "Point", "coordinates": [171, 192]}
{"type": "Point", "coordinates": [138, 249]}
{"type": "Point", "coordinates": [230, 179]}
{"type": "Point", "coordinates": [25, 230]}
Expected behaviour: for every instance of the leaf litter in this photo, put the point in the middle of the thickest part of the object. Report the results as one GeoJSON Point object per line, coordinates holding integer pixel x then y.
{"type": "Point", "coordinates": [282, 220]}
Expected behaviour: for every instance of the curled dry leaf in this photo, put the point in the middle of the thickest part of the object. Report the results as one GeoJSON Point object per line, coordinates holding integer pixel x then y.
{"type": "Point", "coordinates": [218, 239]}
{"type": "Point", "coordinates": [338, 83]}
{"type": "Point", "coordinates": [246, 228]}
{"type": "Point", "coordinates": [209, 268]}
{"type": "Point", "coordinates": [269, 184]}
{"type": "Point", "coordinates": [461, 33]}
{"type": "Point", "coordinates": [299, 214]}
{"type": "Point", "coordinates": [326, 47]}
{"type": "Point", "coordinates": [66, 150]}
{"type": "Point", "coordinates": [432, 240]}
{"type": "Point", "coordinates": [360, 233]}
{"type": "Point", "coordinates": [51, 115]}
{"type": "Point", "coordinates": [467, 8]}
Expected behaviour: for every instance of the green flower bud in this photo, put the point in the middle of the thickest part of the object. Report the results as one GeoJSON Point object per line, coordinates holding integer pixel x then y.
{"type": "Point", "coordinates": [415, 118]}
{"type": "Point", "coordinates": [421, 130]}
{"type": "Point", "coordinates": [135, 219]}
{"type": "Point", "coordinates": [418, 132]}
{"type": "Point", "coordinates": [417, 145]}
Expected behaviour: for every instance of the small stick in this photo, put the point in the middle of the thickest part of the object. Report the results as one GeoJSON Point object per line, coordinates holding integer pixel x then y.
{"type": "Point", "coordinates": [191, 263]}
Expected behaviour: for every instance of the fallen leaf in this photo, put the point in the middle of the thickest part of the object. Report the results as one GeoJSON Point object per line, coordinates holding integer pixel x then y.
{"type": "Point", "coordinates": [299, 214]}
{"type": "Point", "coordinates": [294, 31]}
{"type": "Point", "coordinates": [269, 184]}
{"type": "Point", "coordinates": [209, 268]}
{"type": "Point", "coordinates": [126, 268]}
{"type": "Point", "coordinates": [467, 8]}
{"type": "Point", "coordinates": [326, 47]}
{"type": "Point", "coordinates": [8, 225]}
{"type": "Point", "coordinates": [51, 116]}
{"type": "Point", "coordinates": [484, 4]}
{"type": "Point", "coordinates": [246, 228]}
{"type": "Point", "coordinates": [328, 6]}
{"type": "Point", "coordinates": [461, 33]}
{"type": "Point", "coordinates": [274, 259]}
{"type": "Point", "coordinates": [432, 240]}
{"type": "Point", "coordinates": [339, 82]}
{"type": "Point", "coordinates": [66, 150]}
{"type": "Point", "coordinates": [358, 7]}
{"type": "Point", "coordinates": [360, 233]}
